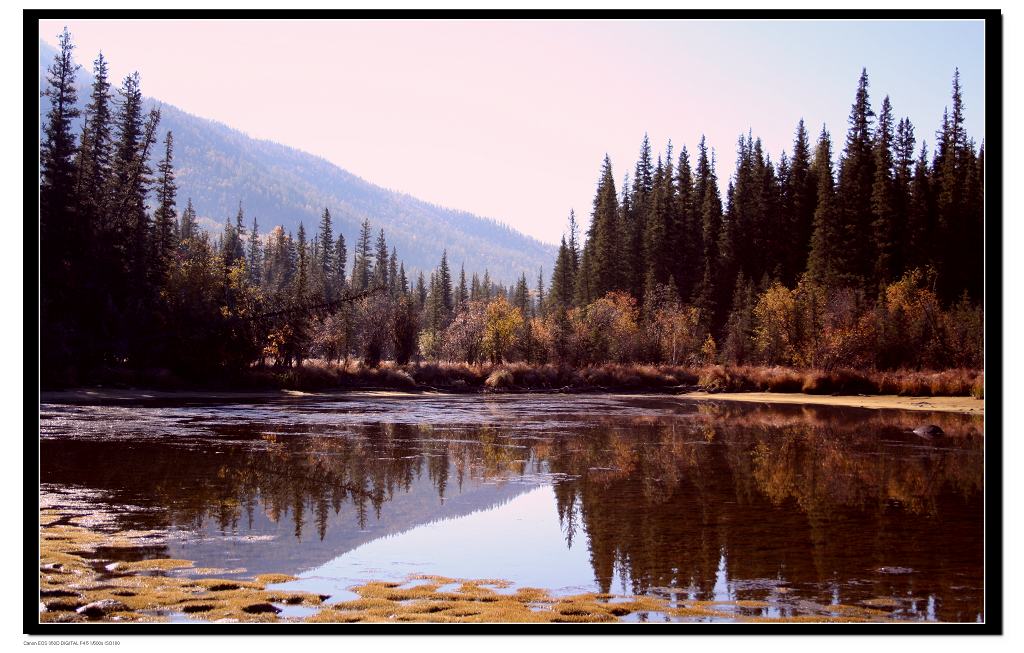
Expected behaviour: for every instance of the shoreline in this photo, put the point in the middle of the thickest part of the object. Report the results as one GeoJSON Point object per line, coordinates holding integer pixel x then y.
{"type": "Point", "coordinates": [962, 404]}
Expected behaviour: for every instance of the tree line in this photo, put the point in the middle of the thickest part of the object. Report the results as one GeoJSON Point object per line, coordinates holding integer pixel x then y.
{"type": "Point", "coordinates": [874, 258]}
{"type": "Point", "coordinates": [878, 265]}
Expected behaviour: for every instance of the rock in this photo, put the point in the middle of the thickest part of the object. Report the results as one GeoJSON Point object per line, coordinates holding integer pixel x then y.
{"type": "Point", "coordinates": [895, 571]}
{"type": "Point", "coordinates": [929, 431]}
{"type": "Point", "coordinates": [97, 609]}
{"type": "Point", "coordinates": [260, 608]}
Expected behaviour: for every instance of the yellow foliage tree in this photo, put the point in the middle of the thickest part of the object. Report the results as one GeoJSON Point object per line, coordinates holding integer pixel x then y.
{"type": "Point", "coordinates": [502, 322]}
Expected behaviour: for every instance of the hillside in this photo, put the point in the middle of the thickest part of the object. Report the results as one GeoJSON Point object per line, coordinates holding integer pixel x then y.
{"type": "Point", "coordinates": [218, 166]}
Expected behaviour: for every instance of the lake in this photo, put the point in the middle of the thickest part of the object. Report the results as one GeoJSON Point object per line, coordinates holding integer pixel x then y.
{"type": "Point", "coordinates": [776, 510]}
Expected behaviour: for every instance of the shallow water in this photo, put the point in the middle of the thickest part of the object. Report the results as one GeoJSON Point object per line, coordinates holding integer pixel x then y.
{"type": "Point", "coordinates": [772, 511]}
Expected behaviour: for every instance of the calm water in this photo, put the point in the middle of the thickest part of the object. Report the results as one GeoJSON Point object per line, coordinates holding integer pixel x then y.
{"type": "Point", "coordinates": [802, 507]}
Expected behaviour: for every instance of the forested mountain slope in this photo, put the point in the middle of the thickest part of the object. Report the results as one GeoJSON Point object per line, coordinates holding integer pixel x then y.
{"type": "Point", "coordinates": [218, 166]}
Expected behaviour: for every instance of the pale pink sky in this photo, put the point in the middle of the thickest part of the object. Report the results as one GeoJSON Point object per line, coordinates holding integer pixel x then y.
{"type": "Point", "coordinates": [511, 119]}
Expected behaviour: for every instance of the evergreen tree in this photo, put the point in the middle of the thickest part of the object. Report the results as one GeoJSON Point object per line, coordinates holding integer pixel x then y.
{"type": "Point", "coordinates": [95, 155]}
{"type": "Point", "coordinates": [636, 211]}
{"type": "Point", "coordinates": [475, 292]}
{"type": "Point", "coordinates": [325, 256]}
{"type": "Point", "coordinates": [403, 281]}
{"type": "Point", "coordinates": [462, 296]}
{"type": "Point", "coordinates": [380, 268]}
{"type": "Point", "coordinates": [393, 283]}
{"type": "Point", "coordinates": [686, 240]}
{"type": "Point", "coordinates": [421, 292]}
{"type": "Point", "coordinates": [522, 296]}
{"type": "Point", "coordinates": [661, 223]}
{"type": "Point", "coordinates": [302, 270]}
{"type": "Point", "coordinates": [574, 246]}
{"type": "Point", "coordinates": [802, 196]}
{"type": "Point", "coordinates": [164, 218]}
{"type": "Point", "coordinates": [444, 282]}
{"type": "Point", "coordinates": [954, 159]}
{"type": "Point", "coordinates": [827, 238]}
{"type": "Point", "coordinates": [188, 222]}
{"type": "Point", "coordinates": [56, 165]}
{"type": "Point", "coordinates": [362, 261]}
{"type": "Point", "coordinates": [541, 306]}
{"type": "Point", "coordinates": [59, 229]}
{"type": "Point", "coordinates": [711, 219]}
{"type": "Point", "coordinates": [254, 263]}
{"type": "Point", "coordinates": [602, 252]}
{"type": "Point", "coordinates": [855, 256]}
{"type": "Point", "coordinates": [562, 282]}
{"type": "Point", "coordinates": [885, 225]}
{"type": "Point", "coordinates": [486, 288]}
{"type": "Point", "coordinates": [340, 261]}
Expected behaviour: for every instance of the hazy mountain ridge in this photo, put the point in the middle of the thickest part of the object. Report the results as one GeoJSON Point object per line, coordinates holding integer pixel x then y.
{"type": "Point", "coordinates": [217, 166]}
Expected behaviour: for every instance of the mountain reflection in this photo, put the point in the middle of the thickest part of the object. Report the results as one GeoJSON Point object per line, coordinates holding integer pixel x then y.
{"type": "Point", "coordinates": [706, 501]}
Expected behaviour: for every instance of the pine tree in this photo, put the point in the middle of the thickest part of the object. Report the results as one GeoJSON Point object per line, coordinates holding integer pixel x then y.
{"type": "Point", "coordinates": [403, 281]}
{"type": "Point", "coordinates": [953, 161]}
{"type": "Point", "coordinates": [541, 305]}
{"type": "Point", "coordinates": [393, 287]}
{"type": "Point", "coordinates": [302, 271]}
{"type": "Point", "coordinates": [636, 211]}
{"type": "Point", "coordinates": [325, 256]}
{"type": "Point", "coordinates": [562, 282]}
{"type": "Point", "coordinates": [602, 254]}
{"type": "Point", "coordinates": [254, 263]}
{"type": "Point", "coordinates": [827, 238]}
{"type": "Point", "coordinates": [706, 294]}
{"type": "Point", "coordinates": [361, 262]}
{"type": "Point", "coordinates": [855, 256]}
{"type": "Point", "coordinates": [885, 225]}
{"type": "Point", "coordinates": [421, 292]}
{"type": "Point", "coordinates": [802, 195]}
{"type": "Point", "coordinates": [56, 167]}
{"type": "Point", "coordinates": [187, 228]}
{"type": "Point", "coordinates": [462, 296]}
{"type": "Point", "coordinates": [574, 246]}
{"type": "Point", "coordinates": [660, 224]}
{"type": "Point", "coordinates": [522, 296]}
{"type": "Point", "coordinates": [95, 155]}
{"type": "Point", "coordinates": [59, 229]}
{"type": "Point", "coordinates": [340, 261]}
{"type": "Point", "coordinates": [686, 243]}
{"type": "Point", "coordinates": [444, 282]}
{"type": "Point", "coordinates": [164, 218]}
{"type": "Point", "coordinates": [380, 268]}
{"type": "Point", "coordinates": [475, 293]}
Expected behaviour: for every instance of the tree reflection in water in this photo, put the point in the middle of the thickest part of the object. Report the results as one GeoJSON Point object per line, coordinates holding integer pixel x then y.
{"type": "Point", "coordinates": [708, 500]}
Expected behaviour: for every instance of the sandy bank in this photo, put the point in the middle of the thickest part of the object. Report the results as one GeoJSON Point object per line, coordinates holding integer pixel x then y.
{"type": "Point", "coordinates": [944, 404]}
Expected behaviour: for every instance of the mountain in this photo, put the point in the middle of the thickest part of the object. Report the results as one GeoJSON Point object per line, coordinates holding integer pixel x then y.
{"type": "Point", "coordinates": [218, 166]}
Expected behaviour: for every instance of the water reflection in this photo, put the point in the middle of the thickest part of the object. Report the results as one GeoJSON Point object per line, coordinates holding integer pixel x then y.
{"type": "Point", "coordinates": [780, 505]}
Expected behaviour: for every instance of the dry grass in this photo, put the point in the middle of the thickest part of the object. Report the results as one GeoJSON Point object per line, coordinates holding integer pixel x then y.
{"type": "Point", "coordinates": [627, 377]}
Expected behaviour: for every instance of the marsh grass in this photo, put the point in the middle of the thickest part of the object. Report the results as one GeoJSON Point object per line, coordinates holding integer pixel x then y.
{"type": "Point", "coordinates": [628, 377]}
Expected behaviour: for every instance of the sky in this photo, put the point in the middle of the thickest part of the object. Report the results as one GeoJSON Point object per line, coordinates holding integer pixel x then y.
{"type": "Point", "coordinates": [512, 119]}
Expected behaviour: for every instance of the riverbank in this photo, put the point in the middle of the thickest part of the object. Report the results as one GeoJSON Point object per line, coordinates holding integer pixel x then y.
{"type": "Point", "coordinates": [966, 405]}
{"type": "Point", "coordinates": [459, 378]}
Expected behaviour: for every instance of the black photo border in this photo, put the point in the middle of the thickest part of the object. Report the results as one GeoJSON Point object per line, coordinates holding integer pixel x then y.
{"type": "Point", "coordinates": [993, 485]}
